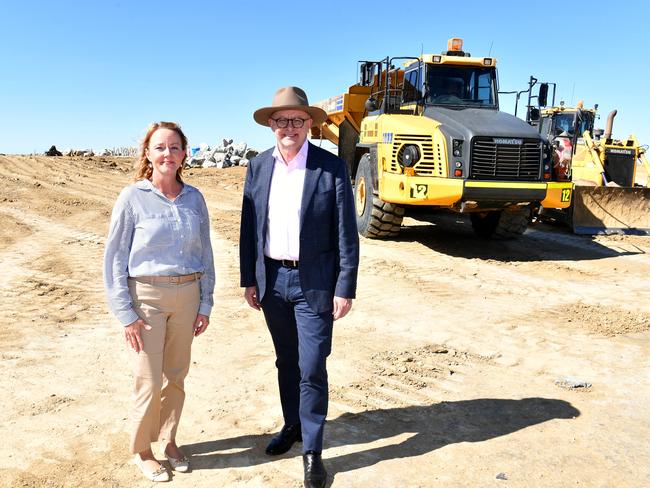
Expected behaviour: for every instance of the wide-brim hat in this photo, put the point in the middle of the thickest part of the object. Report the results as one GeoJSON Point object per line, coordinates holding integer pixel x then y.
{"type": "Point", "coordinates": [290, 98]}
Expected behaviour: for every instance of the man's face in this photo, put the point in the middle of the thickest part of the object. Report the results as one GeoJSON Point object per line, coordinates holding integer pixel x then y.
{"type": "Point", "coordinates": [290, 138]}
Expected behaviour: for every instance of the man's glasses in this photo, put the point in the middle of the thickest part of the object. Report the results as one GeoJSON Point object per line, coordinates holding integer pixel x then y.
{"type": "Point", "coordinates": [283, 123]}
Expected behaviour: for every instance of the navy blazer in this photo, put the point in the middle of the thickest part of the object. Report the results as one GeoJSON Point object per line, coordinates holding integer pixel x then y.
{"type": "Point", "coordinates": [329, 243]}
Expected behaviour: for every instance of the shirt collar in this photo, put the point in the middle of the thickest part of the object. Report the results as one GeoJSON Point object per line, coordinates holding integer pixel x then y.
{"type": "Point", "coordinates": [299, 161]}
{"type": "Point", "coordinates": [144, 184]}
{"type": "Point", "coordinates": [147, 185]}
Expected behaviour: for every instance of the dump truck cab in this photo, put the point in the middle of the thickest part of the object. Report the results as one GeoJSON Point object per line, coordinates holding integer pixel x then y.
{"type": "Point", "coordinates": [430, 133]}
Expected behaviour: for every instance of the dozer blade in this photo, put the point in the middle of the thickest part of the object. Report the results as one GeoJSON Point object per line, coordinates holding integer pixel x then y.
{"type": "Point", "coordinates": [611, 210]}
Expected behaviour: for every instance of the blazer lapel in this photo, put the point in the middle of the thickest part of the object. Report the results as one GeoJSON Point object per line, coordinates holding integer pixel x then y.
{"type": "Point", "coordinates": [312, 173]}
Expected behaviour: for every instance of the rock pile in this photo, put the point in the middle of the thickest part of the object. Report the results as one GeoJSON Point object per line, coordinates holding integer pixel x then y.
{"type": "Point", "coordinates": [222, 156]}
{"type": "Point", "coordinates": [79, 152]}
{"type": "Point", "coordinates": [53, 151]}
{"type": "Point", "coordinates": [116, 151]}
{"type": "Point", "coordinates": [125, 151]}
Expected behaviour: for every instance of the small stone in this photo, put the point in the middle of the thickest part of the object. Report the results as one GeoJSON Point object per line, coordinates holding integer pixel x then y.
{"type": "Point", "coordinates": [502, 476]}
{"type": "Point", "coordinates": [572, 383]}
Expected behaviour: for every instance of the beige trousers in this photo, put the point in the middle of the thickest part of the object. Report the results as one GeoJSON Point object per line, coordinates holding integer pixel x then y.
{"type": "Point", "coordinates": [161, 366]}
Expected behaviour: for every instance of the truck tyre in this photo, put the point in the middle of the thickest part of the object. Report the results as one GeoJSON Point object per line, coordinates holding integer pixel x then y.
{"type": "Point", "coordinates": [500, 224]}
{"type": "Point", "coordinates": [375, 218]}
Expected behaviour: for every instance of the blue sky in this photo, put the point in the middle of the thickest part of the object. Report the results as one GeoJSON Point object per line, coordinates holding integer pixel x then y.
{"type": "Point", "coordinates": [94, 74]}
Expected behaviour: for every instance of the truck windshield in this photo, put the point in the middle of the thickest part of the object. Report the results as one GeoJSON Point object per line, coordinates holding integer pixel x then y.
{"type": "Point", "coordinates": [464, 86]}
{"type": "Point", "coordinates": [585, 122]}
{"type": "Point", "coordinates": [564, 124]}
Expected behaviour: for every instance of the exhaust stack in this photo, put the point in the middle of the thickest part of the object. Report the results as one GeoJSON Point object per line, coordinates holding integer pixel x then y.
{"type": "Point", "coordinates": [610, 124]}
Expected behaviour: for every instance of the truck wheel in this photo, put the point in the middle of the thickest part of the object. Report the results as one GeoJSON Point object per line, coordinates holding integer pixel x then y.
{"type": "Point", "coordinates": [375, 218]}
{"type": "Point", "coordinates": [501, 224]}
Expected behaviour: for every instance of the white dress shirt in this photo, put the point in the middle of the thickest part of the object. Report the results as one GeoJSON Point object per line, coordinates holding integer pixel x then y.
{"type": "Point", "coordinates": [285, 199]}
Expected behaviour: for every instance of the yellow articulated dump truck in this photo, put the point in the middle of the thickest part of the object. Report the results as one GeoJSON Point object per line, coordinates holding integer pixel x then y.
{"type": "Point", "coordinates": [610, 176]}
{"type": "Point", "coordinates": [430, 133]}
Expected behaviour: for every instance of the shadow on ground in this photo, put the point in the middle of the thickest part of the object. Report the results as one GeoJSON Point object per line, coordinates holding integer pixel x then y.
{"type": "Point", "coordinates": [451, 234]}
{"type": "Point", "coordinates": [430, 427]}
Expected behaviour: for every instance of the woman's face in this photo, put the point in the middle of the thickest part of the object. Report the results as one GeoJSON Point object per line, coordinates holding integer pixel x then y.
{"type": "Point", "coordinates": [166, 153]}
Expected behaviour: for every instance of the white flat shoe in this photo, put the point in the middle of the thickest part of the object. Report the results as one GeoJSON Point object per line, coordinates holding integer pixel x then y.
{"type": "Point", "coordinates": [160, 475]}
{"type": "Point", "coordinates": [182, 465]}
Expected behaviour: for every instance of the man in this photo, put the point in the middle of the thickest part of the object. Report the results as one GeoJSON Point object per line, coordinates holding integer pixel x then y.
{"type": "Point", "coordinates": [299, 255]}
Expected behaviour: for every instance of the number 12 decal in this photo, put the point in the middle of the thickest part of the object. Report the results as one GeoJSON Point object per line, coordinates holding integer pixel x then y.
{"type": "Point", "coordinates": [419, 190]}
{"type": "Point", "coordinates": [566, 195]}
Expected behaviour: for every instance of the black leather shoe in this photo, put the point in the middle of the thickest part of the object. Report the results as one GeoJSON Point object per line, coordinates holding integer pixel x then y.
{"type": "Point", "coordinates": [315, 474]}
{"type": "Point", "coordinates": [282, 442]}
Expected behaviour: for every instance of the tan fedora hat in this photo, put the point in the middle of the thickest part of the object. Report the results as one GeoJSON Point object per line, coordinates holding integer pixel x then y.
{"type": "Point", "coordinates": [290, 98]}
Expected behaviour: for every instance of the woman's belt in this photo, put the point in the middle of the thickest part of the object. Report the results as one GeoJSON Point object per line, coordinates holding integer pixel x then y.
{"type": "Point", "coordinates": [167, 280]}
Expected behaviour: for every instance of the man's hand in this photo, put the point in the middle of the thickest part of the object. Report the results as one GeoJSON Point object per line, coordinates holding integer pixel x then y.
{"type": "Point", "coordinates": [250, 294]}
{"type": "Point", "coordinates": [341, 307]}
{"type": "Point", "coordinates": [132, 334]}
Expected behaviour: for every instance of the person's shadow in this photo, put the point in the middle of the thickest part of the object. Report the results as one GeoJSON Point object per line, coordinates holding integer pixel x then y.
{"type": "Point", "coordinates": [431, 426]}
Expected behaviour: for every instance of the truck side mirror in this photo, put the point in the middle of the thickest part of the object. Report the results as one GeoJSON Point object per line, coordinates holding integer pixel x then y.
{"type": "Point", "coordinates": [364, 74]}
{"type": "Point", "coordinates": [371, 104]}
{"type": "Point", "coordinates": [542, 97]}
{"type": "Point", "coordinates": [533, 114]}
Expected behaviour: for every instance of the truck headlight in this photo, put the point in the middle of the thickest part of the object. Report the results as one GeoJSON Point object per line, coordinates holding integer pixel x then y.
{"type": "Point", "coordinates": [457, 148]}
{"type": "Point", "coordinates": [408, 155]}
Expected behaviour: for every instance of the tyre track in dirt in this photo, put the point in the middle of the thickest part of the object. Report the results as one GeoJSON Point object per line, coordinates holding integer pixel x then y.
{"type": "Point", "coordinates": [45, 274]}
{"type": "Point", "coordinates": [54, 311]}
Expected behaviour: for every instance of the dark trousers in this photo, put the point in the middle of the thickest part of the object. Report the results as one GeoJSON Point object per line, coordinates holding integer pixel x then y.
{"type": "Point", "coordinates": [302, 340]}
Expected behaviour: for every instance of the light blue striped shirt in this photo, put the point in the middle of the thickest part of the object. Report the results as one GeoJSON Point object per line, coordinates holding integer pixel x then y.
{"type": "Point", "coordinates": [151, 235]}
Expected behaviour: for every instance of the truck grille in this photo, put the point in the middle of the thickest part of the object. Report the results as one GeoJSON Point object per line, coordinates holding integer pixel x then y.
{"type": "Point", "coordinates": [493, 160]}
{"type": "Point", "coordinates": [430, 163]}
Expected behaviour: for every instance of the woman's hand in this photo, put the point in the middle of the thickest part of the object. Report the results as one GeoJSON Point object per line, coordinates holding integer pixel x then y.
{"type": "Point", "coordinates": [200, 324]}
{"type": "Point", "coordinates": [132, 334]}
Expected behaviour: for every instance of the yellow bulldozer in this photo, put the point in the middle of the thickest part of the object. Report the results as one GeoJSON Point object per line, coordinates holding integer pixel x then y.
{"type": "Point", "coordinates": [610, 176]}
{"type": "Point", "coordinates": [430, 133]}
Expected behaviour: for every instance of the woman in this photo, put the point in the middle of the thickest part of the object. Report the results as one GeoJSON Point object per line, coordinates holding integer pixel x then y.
{"type": "Point", "coordinates": [159, 279]}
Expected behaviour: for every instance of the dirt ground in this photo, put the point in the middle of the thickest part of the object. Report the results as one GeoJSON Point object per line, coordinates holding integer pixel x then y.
{"type": "Point", "coordinates": [454, 367]}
